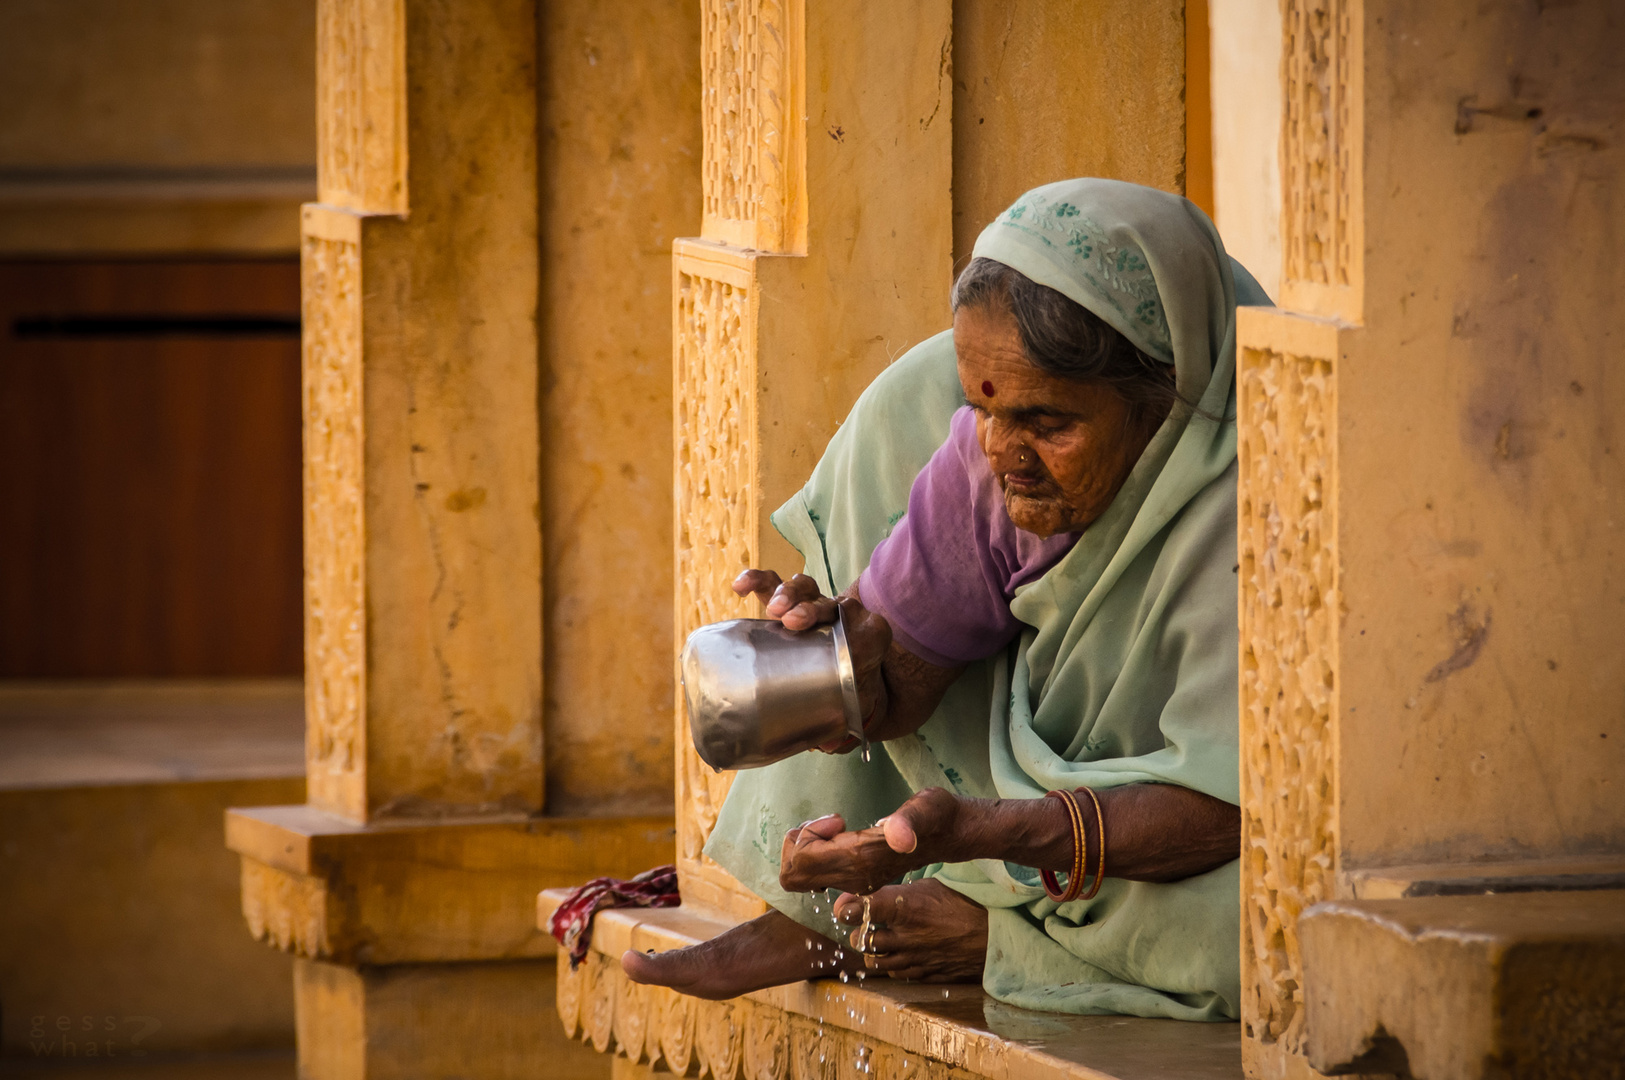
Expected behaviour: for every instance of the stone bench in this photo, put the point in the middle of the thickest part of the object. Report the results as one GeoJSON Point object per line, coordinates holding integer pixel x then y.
{"type": "Point", "coordinates": [828, 1029]}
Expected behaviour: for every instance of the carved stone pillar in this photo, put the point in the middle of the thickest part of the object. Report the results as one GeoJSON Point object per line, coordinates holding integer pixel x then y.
{"type": "Point", "coordinates": [1289, 361]}
{"type": "Point", "coordinates": [826, 251]}
{"type": "Point", "coordinates": [1429, 493]}
{"type": "Point", "coordinates": [1290, 605]}
{"type": "Point", "coordinates": [421, 848]}
{"type": "Point", "coordinates": [422, 551]}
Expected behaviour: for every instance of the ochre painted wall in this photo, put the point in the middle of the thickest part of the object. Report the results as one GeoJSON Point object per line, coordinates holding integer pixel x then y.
{"type": "Point", "coordinates": [1046, 90]}
{"type": "Point", "coordinates": [1246, 65]}
{"type": "Point", "coordinates": [159, 126]}
{"type": "Point", "coordinates": [120, 904]}
{"type": "Point", "coordinates": [1482, 447]}
{"type": "Point", "coordinates": [619, 163]}
{"type": "Point", "coordinates": [162, 83]}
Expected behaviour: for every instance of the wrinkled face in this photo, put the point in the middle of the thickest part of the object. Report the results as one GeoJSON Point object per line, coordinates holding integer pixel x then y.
{"type": "Point", "coordinates": [1059, 448]}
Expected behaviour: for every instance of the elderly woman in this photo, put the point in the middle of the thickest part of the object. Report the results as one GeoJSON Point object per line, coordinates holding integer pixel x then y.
{"type": "Point", "coordinates": [1046, 641]}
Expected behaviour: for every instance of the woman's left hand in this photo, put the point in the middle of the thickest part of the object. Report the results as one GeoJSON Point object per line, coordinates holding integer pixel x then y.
{"type": "Point", "coordinates": [1154, 832]}
{"type": "Point", "coordinates": [822, 855]}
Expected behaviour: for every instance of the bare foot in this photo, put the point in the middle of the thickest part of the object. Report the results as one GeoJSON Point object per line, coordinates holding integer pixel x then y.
{"type": "Point", "coordinates": [923, 931]}
{"type": "Point", "coordinates": [770, 950]}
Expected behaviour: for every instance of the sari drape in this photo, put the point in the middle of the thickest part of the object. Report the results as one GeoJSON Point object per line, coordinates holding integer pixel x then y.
{"type": "Point", "coordinates": [1127, 672]}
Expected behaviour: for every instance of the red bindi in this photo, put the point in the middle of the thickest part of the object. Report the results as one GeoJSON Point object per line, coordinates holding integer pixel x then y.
{"type": "Point", "coordinates": [987, 389]}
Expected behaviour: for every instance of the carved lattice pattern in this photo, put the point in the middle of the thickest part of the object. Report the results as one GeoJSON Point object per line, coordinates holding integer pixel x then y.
{"type": "Point", "coordinates": [1289, 606]}
{"type": "Point", "coordinates": [716, 513]}
{"type": "Point", "coordinates": [335, 596]}
{"type": "Point", "coordinates": [360, 117]}
{"type": "Point", "coordinates": [1318, 152]}
{"type": "Point", "coordinates": [722, 1040]}
{"type": "Point", "coordinates": [340, 155]}
{"type": "Point", "coordinates": [749, 141]}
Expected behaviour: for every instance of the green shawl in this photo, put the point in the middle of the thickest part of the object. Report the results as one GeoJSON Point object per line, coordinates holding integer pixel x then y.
{"type": "Point", "coordinates": [1127, 673]}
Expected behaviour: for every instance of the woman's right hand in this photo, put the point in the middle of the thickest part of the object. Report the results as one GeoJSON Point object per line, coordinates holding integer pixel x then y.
{"type": "Point", "coordinates": [800, 605]}
{"type": "Point", "coordinates": [796, 603]}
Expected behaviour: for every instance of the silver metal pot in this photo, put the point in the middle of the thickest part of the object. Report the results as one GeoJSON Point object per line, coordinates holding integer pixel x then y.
{"type": "Point", "coordinates": [758, 693]}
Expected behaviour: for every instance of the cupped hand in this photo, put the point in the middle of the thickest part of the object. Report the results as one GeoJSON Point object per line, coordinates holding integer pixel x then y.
{"type": "Point", "coordinates": [922, 931]}
{"type": "Point", "coordinates": [800, 605]}
{"type": "Point", "coordinates": [822, 855]}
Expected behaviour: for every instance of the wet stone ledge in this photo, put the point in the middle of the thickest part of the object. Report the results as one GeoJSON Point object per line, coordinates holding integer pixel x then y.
{"type": "Point", "coordinates": [830, 1030]}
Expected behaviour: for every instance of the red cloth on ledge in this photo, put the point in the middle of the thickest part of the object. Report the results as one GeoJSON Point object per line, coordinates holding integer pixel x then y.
{"type": "Point", "coordinates": [571, 924]}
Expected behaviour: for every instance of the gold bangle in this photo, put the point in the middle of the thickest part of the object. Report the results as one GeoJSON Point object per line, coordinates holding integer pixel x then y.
{"type": "Point", "coordinates": [1052, 885]}
{"type": "Point", "coordinates": [1080, 853]}
{"type": "Point", "coordinates": [1100, 842]}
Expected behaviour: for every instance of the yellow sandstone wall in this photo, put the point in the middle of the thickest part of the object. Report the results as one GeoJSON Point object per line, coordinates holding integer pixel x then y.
{"type": "Point", "coordinates": [619, 130]}
{"type": "Point", "coordinates": [1246, 51]}
{"type": "Point", "coordinates": [166, 125]}
{"type": "Point", "coordinates": [120, 906]}
{"type": "Point", "coordinates": [1431, 491]}
{"type": "Point", "coordinates": [1483, 482]}
{"type": "Point", "coordinates": [1046, 90]}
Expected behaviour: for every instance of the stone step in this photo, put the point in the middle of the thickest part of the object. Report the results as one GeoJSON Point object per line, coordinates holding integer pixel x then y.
{"type": "Point", "coordinates": [120, 907]}
{"type": "Point", "coordinates": [1521, 984]}
{"type": "Point", "coordinates": [1570, 873]}
{"type": "Point", "coordinates": [248, 1065]}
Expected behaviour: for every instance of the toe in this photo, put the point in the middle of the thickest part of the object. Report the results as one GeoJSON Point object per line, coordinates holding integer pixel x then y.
{"type": "Point", "coordinates": [645, 968]}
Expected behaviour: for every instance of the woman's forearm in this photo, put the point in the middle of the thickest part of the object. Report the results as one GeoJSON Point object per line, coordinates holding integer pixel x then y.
{"type": "Point", "coordinates": [1154, 832]}
{"type": "Point", "coordinates": [907, 688]}
{"type": "Point", "coordinates": [914, 689]}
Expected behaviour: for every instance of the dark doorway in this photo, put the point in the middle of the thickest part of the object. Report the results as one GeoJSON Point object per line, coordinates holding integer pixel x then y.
{"type": "Point", "coordinates": [149, 469]}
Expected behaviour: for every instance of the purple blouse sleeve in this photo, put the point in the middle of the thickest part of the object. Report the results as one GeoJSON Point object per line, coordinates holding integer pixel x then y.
{"type": "Point", "coordinates": [945, 576]}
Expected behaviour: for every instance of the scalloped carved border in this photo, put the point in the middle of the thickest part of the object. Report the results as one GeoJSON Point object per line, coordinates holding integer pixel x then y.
{"type": "Point", "coordinates": [722, 1040]}
{"type": "Point", "coordinates": [285, 910]}
{"type": "Point", "coordinates": [1289, 621]}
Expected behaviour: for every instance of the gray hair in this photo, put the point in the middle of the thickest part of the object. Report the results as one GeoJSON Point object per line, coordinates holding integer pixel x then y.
{"type": "Point", "coordinates": [1064, 338]}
